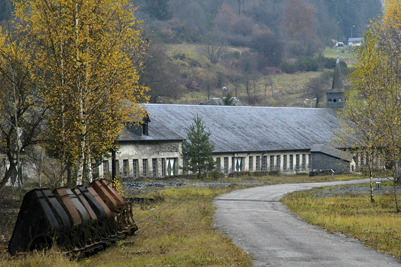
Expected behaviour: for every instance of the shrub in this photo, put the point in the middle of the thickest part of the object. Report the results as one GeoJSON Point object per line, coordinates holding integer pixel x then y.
{"type": "Point", "coordinates": [307, 64]}
{"type": "Point", "coordinates": [238, 40]}
{"type": "Point", "coordinates": [325, 62]}
{"type": "Point", "coordinates": [288, 67]}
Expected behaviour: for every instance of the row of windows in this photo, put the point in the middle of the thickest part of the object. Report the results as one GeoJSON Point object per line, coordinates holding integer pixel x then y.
{"type": "Point", "coordinates": [168, 167]}
{"type": "Point", "coordinates": [275, 163]}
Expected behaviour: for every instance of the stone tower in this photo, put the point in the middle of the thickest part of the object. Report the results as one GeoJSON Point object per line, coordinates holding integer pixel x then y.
{"type": "Point", "coordinates": [335, 96]}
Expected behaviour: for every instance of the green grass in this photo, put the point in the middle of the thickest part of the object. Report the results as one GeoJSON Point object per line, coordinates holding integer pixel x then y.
{"type": "Point", "coordinates": [345, 54]}
{"type": "Point", "coordinates": [376, 224]}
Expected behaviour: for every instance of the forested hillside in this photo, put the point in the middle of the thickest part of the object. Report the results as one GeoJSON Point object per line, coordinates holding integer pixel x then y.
{"type": "Point", "coordinates": [189, 20]}
{"type": "Point", "coordinates": [198, 46]}
{"type": "Point", "coordinates": [245, 44]}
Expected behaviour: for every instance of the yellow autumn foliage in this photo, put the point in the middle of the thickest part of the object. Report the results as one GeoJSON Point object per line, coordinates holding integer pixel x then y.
{"type": "Point", "coordinates": [84, 57]}
{"type": "Point", "coordinates": [373, 108]}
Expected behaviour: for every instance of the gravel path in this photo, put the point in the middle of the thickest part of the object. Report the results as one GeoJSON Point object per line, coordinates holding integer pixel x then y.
{"type": "Point", "coordinates": [266, 229]}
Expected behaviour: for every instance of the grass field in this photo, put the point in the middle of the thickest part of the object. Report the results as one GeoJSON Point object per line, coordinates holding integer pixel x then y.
{"type": "Point", "coordinates": [375, 224]}
{"type": "Point", "coordinates": [345, 53]}
{"type": "Point", "coordinates": [174, 230]}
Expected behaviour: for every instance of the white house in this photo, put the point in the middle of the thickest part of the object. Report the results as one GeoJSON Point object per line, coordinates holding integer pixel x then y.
{"type": "Point", "coordinates": [355, 41]}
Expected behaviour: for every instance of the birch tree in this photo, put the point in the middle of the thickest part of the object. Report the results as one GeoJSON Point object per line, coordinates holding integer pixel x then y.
{"type": "Point", "coordinates": [84, 52]}
{"type": "Point", "coordinates": [374, 103]}
{"type": "Point", "coordinates": [21, 109]}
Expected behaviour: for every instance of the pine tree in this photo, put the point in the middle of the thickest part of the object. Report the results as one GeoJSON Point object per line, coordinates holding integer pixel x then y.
{"type": "Point", "coordinates": [158, 9]}
{"type": "Point", "coordinates": [197, 149]}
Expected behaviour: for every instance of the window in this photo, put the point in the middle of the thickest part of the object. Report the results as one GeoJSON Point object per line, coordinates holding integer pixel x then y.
{"type": "Point", "coordinates": [284, 162]}
{"type": "Point", "coordinates": [117, 166]}
{"type": "Point", "coordinates": [135, 167]}
{"type": "Point", "coordinates": [218, 164]}
{"type": "Point", "coordinates": [309, 161]}
{"type": "Point", "coordinates": [232, 164]}
{"type": "Point", "coordinates": [96, 172]}
{"type": "Point", "coordinates": [271, 162]}
{"type": "Point", "coordinates": [258, 163]}
{"type": "Point", "coordinates": [264, 163]}
{"type": "Point", "coordinates": [106, 167]}
{"type": "Point", "coordinates": [164, 167]}
{"type": "Point", "coordinates": [144, 167]}
{"type": "Point", "coordinates": [171, 166]}
{"type": "Point", "coordinates": [278, 162]}
{"type": "Point", "coordinates": [225, 165]}
{"type": "Point", "coordinates": [154, 167]}
{"type": "Point", "coordinates": [125, 167]}
{"type": "Point", "coordinates": [250, 163]}
{"type": "Point", "coordinates": [297, 162]}
{"type": "Point", "coordinates": [291, 162]}
{"type": "Point", "coordinates": [303, 161]}
{"type": "Point", "coordinates": [238, 164]}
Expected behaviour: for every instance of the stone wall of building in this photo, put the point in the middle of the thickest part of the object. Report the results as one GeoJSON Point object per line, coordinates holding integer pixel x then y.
{"type": "Point", "coordinates": [146, 159]}
{"type": "Point", "coordinates": [322, 161]}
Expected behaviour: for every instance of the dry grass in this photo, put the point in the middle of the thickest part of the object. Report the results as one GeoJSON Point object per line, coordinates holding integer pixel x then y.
{"type": "Point", "coordinates": [376, 224]}
{"type": "Point", "coordinates": [175, 230]}
{"type": "Point", "coordinates": [38, 259]}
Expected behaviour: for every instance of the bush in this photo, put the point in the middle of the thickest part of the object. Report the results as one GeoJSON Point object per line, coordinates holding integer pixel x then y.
{"type": "Point", "coordinates": [288, 67]}
{"type": "Point", "coordinates": [343, 65]}
{"type": "Point", "coordinates": [232, 55]}
{"type": "Point", "coordinates": [307, 64]}
{"type": "Point", "coordinates": [269, 46]}
{"type": "Point", "coordinates": [238, 40]}
{"type": "Point", "coordinates": [325, 62]}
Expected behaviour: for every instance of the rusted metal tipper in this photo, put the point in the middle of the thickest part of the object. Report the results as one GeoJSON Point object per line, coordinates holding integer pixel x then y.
{"type": "Point", "coordinates": [80, 221]}
{"type": "Point", "coordinates": [37, 224]}
{"type": "Point", "coordinates": [117, 204]}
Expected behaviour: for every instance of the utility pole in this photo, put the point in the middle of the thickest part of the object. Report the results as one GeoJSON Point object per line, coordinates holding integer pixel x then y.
{"type": "Point", "coordinates": [352, 29]}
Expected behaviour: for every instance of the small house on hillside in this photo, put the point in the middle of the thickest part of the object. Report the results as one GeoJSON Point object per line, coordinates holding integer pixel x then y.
{"type": "Point", "coordinates": [355, 41]}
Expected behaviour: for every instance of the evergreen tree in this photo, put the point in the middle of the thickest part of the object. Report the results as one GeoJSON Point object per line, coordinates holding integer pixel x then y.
{"type": "Point", "coordinates": [228, 100]}
{"type": "Point", "coordinates": [158, 9]}
{"type": "Point", "coordinates": [197, 149]}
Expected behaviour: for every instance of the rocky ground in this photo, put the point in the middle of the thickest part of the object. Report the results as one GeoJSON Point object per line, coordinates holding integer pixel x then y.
{"type": "Point", "coordinates": [135, 187]}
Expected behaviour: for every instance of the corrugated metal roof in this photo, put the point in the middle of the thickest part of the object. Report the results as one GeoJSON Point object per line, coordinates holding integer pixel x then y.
{"type": "Point", "coordinates": [242, 129]}
{"type": "Point", "coordinates": [331, 151]}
